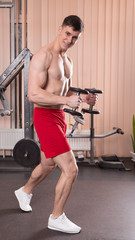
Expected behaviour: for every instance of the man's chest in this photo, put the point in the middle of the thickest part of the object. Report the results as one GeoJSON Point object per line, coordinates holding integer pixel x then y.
{"type": "Point", "coordinates": [60, 68]}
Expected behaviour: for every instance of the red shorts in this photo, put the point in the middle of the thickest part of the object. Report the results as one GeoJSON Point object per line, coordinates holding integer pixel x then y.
{"type": "Point", "coordinates": [51, 127]}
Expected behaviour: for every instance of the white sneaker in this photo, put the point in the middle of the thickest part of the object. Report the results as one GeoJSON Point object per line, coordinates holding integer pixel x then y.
{"type": "Point", "coordinates": [63, 224]}
{"type": "Point", "coordinates": [23, 199]}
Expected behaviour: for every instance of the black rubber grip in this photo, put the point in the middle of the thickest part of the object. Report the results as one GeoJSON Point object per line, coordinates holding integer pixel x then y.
{"type": "Point", "coordinates": [94, 90]}
{"type": "Point", "coordinates": [78, 90]}
{"type": "Point", "coordinates": [90, 111]}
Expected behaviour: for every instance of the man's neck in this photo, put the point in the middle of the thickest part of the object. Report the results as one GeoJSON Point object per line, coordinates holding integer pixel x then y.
{"type": "Point", "coordinates": [57, 49]}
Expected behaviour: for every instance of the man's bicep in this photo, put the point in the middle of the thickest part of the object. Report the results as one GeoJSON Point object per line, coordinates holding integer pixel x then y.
{"type": "Point", "coordinates": [38, 71]}
{"type": "Point", "coordinates": [37, 78]}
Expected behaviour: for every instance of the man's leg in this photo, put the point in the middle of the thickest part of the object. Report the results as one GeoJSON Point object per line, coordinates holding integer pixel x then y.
{"type": "Point", "coordinates": [39, 173]}
{"type": "Point", "coordinates": [66, 162]}
{"type": "Point", "coordinates": [24, 194]}
{"type": "Point", "coordinates": [57, 220]}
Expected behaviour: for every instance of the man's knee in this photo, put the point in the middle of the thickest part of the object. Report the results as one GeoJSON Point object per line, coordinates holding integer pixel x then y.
{"type": "Point", "coordinates": [72, 171]}
{"type": "Point", "coordinates": [47, 164]}
{"type": "Point", "coordinates": [75, 172]}
{"type": "Point", "coordinates": [67, 163]}
{"type": "Point", "coordinates": [48, 167]}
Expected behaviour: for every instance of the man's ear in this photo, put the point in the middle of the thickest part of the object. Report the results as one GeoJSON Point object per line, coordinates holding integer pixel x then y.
{"type": "Point", "coordinates": [59, 29]}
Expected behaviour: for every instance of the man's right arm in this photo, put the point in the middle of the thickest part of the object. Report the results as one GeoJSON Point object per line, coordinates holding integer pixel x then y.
{"type": "Point", "coordinates": [38, 79]}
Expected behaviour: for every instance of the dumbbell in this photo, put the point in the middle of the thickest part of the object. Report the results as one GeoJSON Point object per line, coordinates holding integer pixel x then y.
{"type": "Point", "coordinates": [90, 110]}
{"type": "Point", "coordinates": [73, 111]}
{"type": "Point", "coordinates": [77, 115]}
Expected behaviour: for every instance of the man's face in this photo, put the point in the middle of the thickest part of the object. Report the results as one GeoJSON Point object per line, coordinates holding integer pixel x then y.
{"type": "Point", "coordinates": [67, 37]}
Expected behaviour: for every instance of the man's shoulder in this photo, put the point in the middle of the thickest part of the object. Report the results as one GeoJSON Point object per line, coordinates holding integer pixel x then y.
{"type": "Point", "coordinates": [44, 53]}
{"type": "Point", "coordinates": [43, 57]}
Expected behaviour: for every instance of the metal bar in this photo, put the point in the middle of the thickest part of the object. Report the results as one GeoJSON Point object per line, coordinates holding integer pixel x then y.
{"type": "Point", "coordinates": [92, 139]}
{"type": "Point", "coordinates": [74, 127]}
{"type": "Point", "coordinates": [28, 128]}
{"type": "Point", "coordinates": [12, 52]}
{"type": "Point", "coordinates": [6, 110]}
{"type": "Point", "coordinates": [16, 52]}
{"type": "Point", "coordinates": [13, 75]}
{"type": "Point", "coordinates": [77, 136]}
{"type": "Point", "coordinates": [20, 100]}
{"type": "Point", "coordinates": [13, 65]}
{"type": "Point", "coordinates": [6, 5]}
{"type": "Point", "coordinates": [95, 136]}
{"type": "Point", "coordinates": [106, 134]}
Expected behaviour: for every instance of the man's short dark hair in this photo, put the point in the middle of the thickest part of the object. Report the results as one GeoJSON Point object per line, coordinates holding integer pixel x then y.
{"type": "Point", "coordinates": [73, 21]}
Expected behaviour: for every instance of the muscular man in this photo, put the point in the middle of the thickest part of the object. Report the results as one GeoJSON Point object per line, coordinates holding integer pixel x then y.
{"type": "Point", "coordinates": [49, 80]}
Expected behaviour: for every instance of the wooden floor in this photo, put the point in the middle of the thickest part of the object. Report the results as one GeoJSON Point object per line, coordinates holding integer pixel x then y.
{"type": "Point", "coordinates": [102, 202]}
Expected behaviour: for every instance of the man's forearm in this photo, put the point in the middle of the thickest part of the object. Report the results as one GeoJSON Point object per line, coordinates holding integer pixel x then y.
{"type": "Point", "coordinates": [42, 97]}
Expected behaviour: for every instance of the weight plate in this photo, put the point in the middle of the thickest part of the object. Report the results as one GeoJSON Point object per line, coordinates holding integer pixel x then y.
{"type": "Point", "coordinates": [26, 153]}
{"type": "Point", "coordinates": [73, 112]}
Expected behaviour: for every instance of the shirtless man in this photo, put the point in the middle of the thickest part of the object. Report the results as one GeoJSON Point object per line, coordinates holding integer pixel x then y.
{"type": "Point", "coordinates": [49, 80]}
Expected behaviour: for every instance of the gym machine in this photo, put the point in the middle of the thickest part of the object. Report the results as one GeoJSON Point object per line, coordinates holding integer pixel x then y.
{"type": "Point", "coordinates": [103, 161]}
{"type": "Point", "coordinates": [7, 77]}
{"type": "Point", "coordinates": [26, 151]}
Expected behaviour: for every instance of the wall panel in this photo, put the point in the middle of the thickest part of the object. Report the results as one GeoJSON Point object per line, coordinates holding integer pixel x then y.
{"type": "Point", "coordinates": [127, 70]}
{"type": "Point", "coordinates": [114, 72]}
{"type": "Point", "coordinates": [5, 56]}
{"type": "Point", "coordinates": [104, 57]}
{"type": "Point", "coordinates": [121, 59]}
{"type": "Point", "coordinates": [34, 25]}
{"type": "Point", "coordinates": [107, 66]}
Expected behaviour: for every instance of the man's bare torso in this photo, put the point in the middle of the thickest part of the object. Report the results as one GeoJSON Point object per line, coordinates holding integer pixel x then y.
{"type": "Point", "coordinates": [58, 76]}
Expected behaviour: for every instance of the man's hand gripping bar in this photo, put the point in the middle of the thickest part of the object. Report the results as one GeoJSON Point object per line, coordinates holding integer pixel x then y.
{"type": "Point", "coordinates": [77, 115]}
